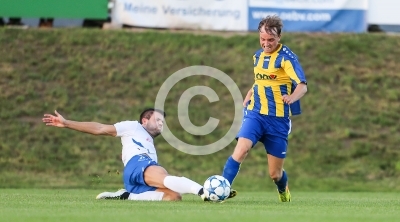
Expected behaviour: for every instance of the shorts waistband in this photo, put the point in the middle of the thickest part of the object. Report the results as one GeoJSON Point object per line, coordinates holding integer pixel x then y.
{"type": "Point", "coordinates": [144, 154]}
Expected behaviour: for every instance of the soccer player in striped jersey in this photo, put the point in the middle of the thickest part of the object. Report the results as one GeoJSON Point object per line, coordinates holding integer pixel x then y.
{"type": "Point", "coordinates": [144, 178]}
{"type": "Point", "coordinates": [274, 97]}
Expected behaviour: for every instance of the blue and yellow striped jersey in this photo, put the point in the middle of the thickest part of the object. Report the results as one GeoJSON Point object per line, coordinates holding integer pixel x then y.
{"type": "Point", "coordinates": [275, 75]}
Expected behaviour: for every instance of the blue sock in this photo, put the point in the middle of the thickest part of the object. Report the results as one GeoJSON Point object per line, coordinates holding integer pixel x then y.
{"type": "Point", "coordinates": [231, 169]}
{"type": "Point", "coordinates": [281, 184]}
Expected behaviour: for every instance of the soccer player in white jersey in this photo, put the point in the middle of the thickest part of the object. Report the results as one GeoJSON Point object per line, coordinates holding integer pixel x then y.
{"type": "Point", "coordinates": [143, 178]}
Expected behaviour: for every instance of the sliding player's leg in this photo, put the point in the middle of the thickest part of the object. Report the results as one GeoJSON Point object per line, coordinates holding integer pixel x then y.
{"type": "Point", "coordinates": [157, 176]}
{"type": "Point", "coordinates": [157, 195]}
{"type": "Point", "coordinates": [142, 170]}
{"type": "Point", "coordinates": [143, 175]}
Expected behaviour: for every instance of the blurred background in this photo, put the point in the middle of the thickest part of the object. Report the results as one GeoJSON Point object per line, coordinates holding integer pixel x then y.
{"type": "Point", "coordinates": [299, 15]}
{"type": "Point", "coordinates": [104, 61]}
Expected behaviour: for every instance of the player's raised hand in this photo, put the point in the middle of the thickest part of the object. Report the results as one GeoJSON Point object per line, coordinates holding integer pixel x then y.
{"type": "Point", "coordinates": [52, 120]}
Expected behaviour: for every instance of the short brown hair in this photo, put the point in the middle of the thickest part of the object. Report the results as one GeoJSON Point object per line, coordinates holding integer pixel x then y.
{"type": "Point", "coordinates": [271, 23]}
{"type": "Point", "coordinates": [147, 113]}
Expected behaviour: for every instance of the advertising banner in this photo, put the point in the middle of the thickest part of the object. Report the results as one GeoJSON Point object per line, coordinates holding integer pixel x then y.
{"type": "Point", "coordinates": [189, 14]}
{"type": "Point", "coordinates": [384, 12]}
{"type": "Point", "coordinates": [312, 15]}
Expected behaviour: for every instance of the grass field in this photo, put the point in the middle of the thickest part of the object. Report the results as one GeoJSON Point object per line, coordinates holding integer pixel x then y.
{"type": "Point", "coordinates": [79, 205]}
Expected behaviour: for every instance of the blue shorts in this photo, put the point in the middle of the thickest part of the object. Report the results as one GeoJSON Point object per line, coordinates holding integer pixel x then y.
{"type": "Point", "coordinates": [272, 131]}
{"type": "Point", "coordinates": [134, 174]}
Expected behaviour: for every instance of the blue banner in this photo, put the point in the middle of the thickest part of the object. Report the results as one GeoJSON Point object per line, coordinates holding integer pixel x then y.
{"type": "Point", "coordinates": [299, 20]}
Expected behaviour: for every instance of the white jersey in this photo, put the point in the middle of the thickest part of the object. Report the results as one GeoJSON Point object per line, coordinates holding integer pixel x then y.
{"type": "Point", "coordinates": [135, 140]}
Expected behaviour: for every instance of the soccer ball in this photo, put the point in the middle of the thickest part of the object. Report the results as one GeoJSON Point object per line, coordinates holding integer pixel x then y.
{"type": "Point", "coordinates": [217, 188]}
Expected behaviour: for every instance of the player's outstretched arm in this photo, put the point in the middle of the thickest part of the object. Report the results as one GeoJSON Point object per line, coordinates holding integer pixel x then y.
{"type": "Point", "coordinates": [94, 128]}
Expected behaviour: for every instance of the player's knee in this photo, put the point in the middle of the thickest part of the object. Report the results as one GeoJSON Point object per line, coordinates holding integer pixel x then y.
{"type": "Point", "coordinates": [154, 176]}
{"type": "Point", "coordinates": [240, 153]}
{"type": "Point", "coordinates": [172, 196]}
{"type": "Point", "coordinates": [275, 175]}
{"type": "Point", "coordinates": [241, 150]}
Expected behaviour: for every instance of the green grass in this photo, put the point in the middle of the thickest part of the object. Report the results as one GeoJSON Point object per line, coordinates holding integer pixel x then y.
{"type": "Point", "coordinates": [79, 205]}
{"type": "Point", "coordinates": [347, 138]}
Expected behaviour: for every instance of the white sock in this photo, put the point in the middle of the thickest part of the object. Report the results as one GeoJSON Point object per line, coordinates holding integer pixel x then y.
{"type": "Point", "coordinates": [182, 185]}
{"type": "Point", "coordinates": [147, 196]}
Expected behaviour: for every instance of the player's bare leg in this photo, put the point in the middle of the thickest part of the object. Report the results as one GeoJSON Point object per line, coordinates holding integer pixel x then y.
{"type": "Point", "coordinates": [278, 175]}
{"type": "Point", "coordinates": [157, 176]}
{"type": "Point", "coordinates": [242, 149]}
{"type": "Point", "coordinates": [160, 194]}
{"type": "Point", "coordinates": [232, 165]}
{"type": "Point", "coordinates": [169, 195]}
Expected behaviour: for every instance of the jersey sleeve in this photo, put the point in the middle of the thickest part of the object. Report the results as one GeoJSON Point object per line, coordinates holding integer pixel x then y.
{"type": "Point", "coordinates": [125, 127]}
{"type": "Point", "coordinates": [256, 56]}
{"type": "Point", "coordinates": [293, 68]}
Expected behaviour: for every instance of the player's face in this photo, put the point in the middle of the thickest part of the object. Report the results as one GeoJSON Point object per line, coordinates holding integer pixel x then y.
{"type": "Point", "coordinates": [269, 40]}
{"type": "Point", "coordinates": [155, 124]}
